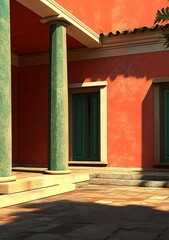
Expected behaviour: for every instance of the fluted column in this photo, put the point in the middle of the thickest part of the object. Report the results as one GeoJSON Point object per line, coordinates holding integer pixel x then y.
{"type": "Point", "coordinates": [5, 95]}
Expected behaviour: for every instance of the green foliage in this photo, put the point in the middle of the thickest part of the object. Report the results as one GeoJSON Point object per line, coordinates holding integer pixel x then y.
{"type": "Point", "coordinates": [162, 15]}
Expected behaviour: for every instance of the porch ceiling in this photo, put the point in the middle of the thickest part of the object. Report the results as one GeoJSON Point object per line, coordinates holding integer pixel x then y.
{"type": "Point", "coordinates": [28, 34]}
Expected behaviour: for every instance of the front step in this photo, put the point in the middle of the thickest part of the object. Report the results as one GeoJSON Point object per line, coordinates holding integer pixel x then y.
{"type": "Point", "coordinates": [42, 181]}
{"type": "Point", "coordinates": [132, 179]}
{"type": "Point", "coordinates": [16, 198]}
{"type": "Point", "coordinates": [32, 183]}
{"type": "Point", "coordinates": [33, 188]}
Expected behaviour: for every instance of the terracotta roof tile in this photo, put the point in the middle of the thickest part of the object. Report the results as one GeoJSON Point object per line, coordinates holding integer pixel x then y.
{"type": "Point", "coordinates": [135, 30]}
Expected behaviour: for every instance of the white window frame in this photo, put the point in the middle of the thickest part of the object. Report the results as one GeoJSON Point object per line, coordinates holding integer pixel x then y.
{"type": "Point", "coordinates": [101, 87]}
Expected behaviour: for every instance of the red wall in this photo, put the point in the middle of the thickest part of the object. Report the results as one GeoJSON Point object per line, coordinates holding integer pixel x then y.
{"type": "Point", "coordinates": [130, 90]}
{"type": "Point", "coordinates": [33, 115]}
{"type": "Point", "coordinates": [130, 103]}
{"type": "Point", "coordinates": [130, 106]}
{"type": "Point", "coordinates": [110, 15]}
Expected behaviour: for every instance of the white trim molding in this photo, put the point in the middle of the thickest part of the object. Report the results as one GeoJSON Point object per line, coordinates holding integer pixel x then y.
{"type": "Point", "coordinates": [77, 29]}
{"type": "Point", "coordinates": [122, 45]}
{"type": "Point", "coordinates": [133, 39]}
{"type": "Point", "coordinates": [101, 87]}
{"type": "Point", "coordinates": [157, 149]}
{"type": "Point", "coordinates": [88, 84]}
{"type": "Point", "coordinates": [157, 120]}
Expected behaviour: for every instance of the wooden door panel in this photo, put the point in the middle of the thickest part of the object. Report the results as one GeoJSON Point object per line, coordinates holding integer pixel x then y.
{"type": "Point", "coordinates": [80, 126]}
{"type": "Point", "coordinates": [86, 127]}
{"type": "Point", "coordinates": [95, 135]}
{"type": "Point", "coordinates": [165, 126]}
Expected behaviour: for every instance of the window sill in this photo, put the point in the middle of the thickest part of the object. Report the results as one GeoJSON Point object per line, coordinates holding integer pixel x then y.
{"type": "Point", "coordinates": [87, 163]}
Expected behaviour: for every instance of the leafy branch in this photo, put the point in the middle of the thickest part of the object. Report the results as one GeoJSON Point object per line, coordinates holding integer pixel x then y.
{"type": "Point", "coordinates": [162, 15]}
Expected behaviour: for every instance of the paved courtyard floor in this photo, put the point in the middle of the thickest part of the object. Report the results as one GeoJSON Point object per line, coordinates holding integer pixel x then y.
{"type": "Point", "coordinates": [91, 212]}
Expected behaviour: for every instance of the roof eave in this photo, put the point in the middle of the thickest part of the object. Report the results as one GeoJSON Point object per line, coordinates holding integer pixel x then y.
{"type": "Point", "coordinates": [139, 38]}
{"type": "Point", "coordinates": [76, 29]}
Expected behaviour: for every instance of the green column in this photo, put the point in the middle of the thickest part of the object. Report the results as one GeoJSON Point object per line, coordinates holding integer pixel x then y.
{"type": "Point", "coordinates": [58, 111]}
{"type": "Point", "coordinates": [5, 95]}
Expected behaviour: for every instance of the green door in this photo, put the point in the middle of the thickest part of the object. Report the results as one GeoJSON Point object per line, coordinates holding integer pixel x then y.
{"type": "Point", "coordinates": [86, 121]}
{"type": "Point", "coordinates": [165, 125]}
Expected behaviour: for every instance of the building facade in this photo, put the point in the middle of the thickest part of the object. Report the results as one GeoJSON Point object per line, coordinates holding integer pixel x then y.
{"type": "Point", "coordinates": [78, 88]}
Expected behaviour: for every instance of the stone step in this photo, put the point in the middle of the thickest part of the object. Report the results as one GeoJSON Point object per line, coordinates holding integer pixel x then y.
{"type": "Point", "coordinates": [126, 182]}
{"type": "Point", "coordinates": [21, 197]}
{"type": "Point", "coordinates": [37, 187]}
{"type": "Point", "coordinates": [133, 176]}
{"type": "Point", "coordinates": [38, 182]}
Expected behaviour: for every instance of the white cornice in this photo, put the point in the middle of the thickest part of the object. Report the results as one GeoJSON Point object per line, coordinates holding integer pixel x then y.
{"type": "Point", "coordinates": [148, 36]}
{"type": "Point", "coordinates": [77, 29]}
{"type": "Point", "coordinates": [122, 45]}
{"type": "Point", "coordinates": [82, 54]}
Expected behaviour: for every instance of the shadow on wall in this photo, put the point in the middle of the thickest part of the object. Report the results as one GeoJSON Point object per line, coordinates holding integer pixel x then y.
{"type": "Point", "coordinates": [146, 65]}
{"type": "Point", "coordinates": [148, 129]}
{"type": "Point", "coordinates": [56, 218]}
{"type": "Point", "coordinates": [130, 95]}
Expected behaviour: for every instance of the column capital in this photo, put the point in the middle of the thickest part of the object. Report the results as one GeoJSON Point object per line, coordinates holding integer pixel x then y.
{"type": "Point", "coordinates": [54, 20]}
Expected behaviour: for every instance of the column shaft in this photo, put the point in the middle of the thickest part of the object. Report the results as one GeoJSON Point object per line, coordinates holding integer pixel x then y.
{"type": "Point", "coordinates": [58, 121]}
{"type": "Point", "coordinates": [5, 92]}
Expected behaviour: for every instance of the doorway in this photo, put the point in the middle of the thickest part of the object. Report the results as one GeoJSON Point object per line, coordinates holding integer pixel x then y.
{"type": "Point", "coordinates": [86, 126]}
{"type": "Point", "coordinates": [165, 125]}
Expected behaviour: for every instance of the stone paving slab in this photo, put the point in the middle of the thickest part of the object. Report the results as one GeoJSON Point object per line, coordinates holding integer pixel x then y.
{"type": "Point", "coordinates": [90, 213]}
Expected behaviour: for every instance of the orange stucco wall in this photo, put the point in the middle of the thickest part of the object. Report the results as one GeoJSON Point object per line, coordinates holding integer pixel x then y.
{"type": "Point", "coordinates": [130, 90]}
{"type": "Point", "coordinates": [130, 106]}
{"type": "Point", "coordinates": [110, 15]}
{"type": "Point", "coordinates": [130, 103]}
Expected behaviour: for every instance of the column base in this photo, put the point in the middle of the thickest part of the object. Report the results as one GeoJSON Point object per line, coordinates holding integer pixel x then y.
{"type": "Point", "coordinates": [7, 179]}
{"type": "Point", "coordinates": [57, 172]}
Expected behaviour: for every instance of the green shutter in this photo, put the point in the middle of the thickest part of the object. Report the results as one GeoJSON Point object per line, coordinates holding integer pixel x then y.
{"type": "Point", "coordinates": [95, 129]}
{"type": "Point", "coordinates": [166, 125]}
{"type": "Point", "coordinates": [86, 127]}
{"type": "Point", "coordinates": [80, 127]}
